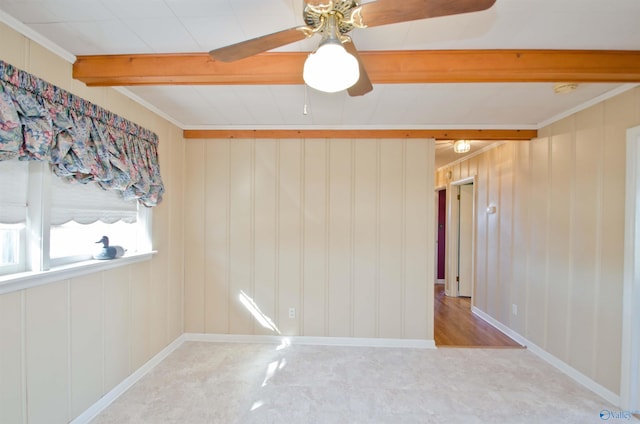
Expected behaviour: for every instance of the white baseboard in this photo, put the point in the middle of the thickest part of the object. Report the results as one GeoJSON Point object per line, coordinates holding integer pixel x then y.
{"type": "Point", "coordinates": [440, 281]}
{"type": "Point", "coordinates": [117, 391]}
{"type": "Point", "coordinates": [314, 341]}
{"type": "Point", "coordinates": [552, 360]}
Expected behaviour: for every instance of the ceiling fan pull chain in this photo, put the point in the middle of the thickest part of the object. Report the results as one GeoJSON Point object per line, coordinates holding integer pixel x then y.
{"type": "Point", "coordinates": [305, 108]}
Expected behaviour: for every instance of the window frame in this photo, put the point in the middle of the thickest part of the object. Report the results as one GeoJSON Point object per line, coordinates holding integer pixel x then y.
{"type": "Point", "coordinates": [20, 266]}
{"type": "Point", "coordinates": [36, 267]}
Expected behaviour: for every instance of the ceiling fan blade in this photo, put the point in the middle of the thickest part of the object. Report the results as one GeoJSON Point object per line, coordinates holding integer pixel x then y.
{"type": "Point", "coordinates": [363, 86]}
{"type": "Point", "coordinates": [257, 45]}
{"type": "Point", "coordinates": [384, 12]}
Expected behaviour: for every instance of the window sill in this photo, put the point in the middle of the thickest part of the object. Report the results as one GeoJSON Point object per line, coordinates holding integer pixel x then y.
{"type": "Point", "coordinates": [25, 280]}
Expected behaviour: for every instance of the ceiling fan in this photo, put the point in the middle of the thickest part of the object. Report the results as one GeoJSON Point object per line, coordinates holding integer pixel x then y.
{"type": "Point", "coordinates": [333, 20]}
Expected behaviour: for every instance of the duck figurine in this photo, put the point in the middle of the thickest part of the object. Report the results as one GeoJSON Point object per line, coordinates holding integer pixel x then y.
{"type": "Point", "coordinates": [108, 252]}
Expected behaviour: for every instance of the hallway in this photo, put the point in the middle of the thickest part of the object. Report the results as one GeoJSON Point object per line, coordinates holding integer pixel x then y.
{"type": "Point", "coordinates": [456, 325]}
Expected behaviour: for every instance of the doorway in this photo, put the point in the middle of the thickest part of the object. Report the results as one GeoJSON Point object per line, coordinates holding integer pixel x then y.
{"type": "Point", "coordinates": [459, 281]}
{"type": "Point", "coordinates": [465, 240]}
{"type": "Point", "coordinates": [441, 235]}
{"type": "Point", "coordinates": [455, 325]}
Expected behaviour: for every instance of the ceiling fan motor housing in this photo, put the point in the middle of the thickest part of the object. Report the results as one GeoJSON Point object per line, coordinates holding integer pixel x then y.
{"type": "Point", "coordinates": [315, 17]}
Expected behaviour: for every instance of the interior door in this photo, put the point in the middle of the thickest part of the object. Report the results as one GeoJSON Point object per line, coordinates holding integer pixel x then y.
{"type": "Point", "coordinates": [441, 233]}
{"type": "Point", "coordinates": [465, 240]}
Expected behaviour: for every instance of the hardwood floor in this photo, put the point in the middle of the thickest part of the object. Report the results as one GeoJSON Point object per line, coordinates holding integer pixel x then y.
{"type": "Point", "coordinates": [456, 325]}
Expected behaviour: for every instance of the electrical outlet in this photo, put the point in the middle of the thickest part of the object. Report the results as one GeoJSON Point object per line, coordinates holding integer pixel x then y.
{"type": "Point", "coordinates": [514, 309]}
{"type": "Point", "coordinates": [292, 312]}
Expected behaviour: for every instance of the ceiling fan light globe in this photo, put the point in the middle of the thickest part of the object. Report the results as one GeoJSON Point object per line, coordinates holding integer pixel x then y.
{"type": "Point", "coordinates": [331, 69]}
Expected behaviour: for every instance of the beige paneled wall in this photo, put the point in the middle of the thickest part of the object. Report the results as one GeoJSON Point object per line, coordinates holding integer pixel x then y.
{"type": "Point", "coordinates": [65, 344]}
{"type": "Point", "coordinates": [340, 230]}
{"type": "Point", "coordinates": [555, 246]}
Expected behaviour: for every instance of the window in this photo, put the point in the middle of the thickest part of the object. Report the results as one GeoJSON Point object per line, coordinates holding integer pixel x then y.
{"type": "Point", "coordinates": [44, 223]}
{"type": "Point", "coordinates": [70, 218]}
{"type": "Point", "coordinates": [13, 215]}
{"type": "Point", "coordinates": [81, 214]}
{"type": "Point", "coordinates": [10, 245]}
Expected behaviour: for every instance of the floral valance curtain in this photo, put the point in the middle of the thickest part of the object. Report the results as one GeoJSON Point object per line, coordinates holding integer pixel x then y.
{"type": "Point", "coordinates": [82, 141]}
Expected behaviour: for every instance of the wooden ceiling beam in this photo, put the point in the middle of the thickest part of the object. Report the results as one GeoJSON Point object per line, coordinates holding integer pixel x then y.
{"type": "Point", "coordinates": [383, 67]}
{"type": "Point", "coordinates": [444, 134]}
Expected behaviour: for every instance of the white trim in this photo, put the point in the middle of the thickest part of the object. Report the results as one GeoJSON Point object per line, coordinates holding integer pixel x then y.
{"type": "Point", "coordinates": [630, 361]}
{"type": "Point", "coordinates": [463, 181]}
{"type": "Point", "coordinates": [71, 58]}
{"type": "Point", "coordinates": [311, 341]}
{"type": "Point", "coordinates": [451, 237]}
{"type": "Point", "coordinates": [23, 29]}
{"type": "Point", "coordinates": [142, 102]}
{"type": "Point", "coordinates": [557, 363]}
{"type": "Point", "coordinates": [585, 105]}
{"type": "Point", "coordinates": [137, 375]}
{"type": "Point", "coordinates": [126, 384]}
{"type": "Point", "coordinates": [26, 280]}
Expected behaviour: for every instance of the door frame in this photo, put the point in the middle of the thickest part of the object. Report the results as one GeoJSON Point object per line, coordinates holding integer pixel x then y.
{"type": "Point", "coordinates": [630, 361]}
{"type": "Point", "coordinates": [451, 289]}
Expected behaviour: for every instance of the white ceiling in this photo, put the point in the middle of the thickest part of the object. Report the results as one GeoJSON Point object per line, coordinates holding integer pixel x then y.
{"type": "Point", "coordinates": [84, 27]}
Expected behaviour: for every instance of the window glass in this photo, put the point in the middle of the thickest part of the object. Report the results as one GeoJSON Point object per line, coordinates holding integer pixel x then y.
{"type": "Point", "coordinates": [14, 177]}
{"type": "Point", "coordinates": [81, 214]}
{"type": "Point", "coordinates": [81, 241]}
{"type": "Point", "coordinates": [10, 244]}
{"type": "Point", "coordinates": [71, 221]}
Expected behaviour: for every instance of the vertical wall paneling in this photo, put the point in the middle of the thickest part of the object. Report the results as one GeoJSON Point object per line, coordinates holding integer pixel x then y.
{"type": "Point", "coordinates": [520, 262]}
{"type": "Point", "coordinates": [538, 236]}
{"type": "Point", "coordinates": [216, 205]}
{"type": "Point", "coordinates": [140, 315]}
{"type": "Point", "coordinates": [12, 389]}
{"type": "Point", "coordinates": [504, 236]}
{"type": "Point", "coordinates": [339, 231]}
{"type": "Point", "coordinates": [482, 198]}
{"type": "Point", "coordinates": [176, 233]}
{"type": "Point", "coordinates": [583, 237]}
{"type": "Point", "coordinates": [265, 244]}
{"type": "Point", "coordinates": [339, 243]}
{"type": "Point", "coordinates": [597, 268]}
{"type": "Point", "coordinates": [315, 237]}
{"type": "Point", "coordinates": [86, 352]}
{"type": "Point", "coordinates": [419, 235]}
{"type": "Point", "coordinates": [618, 116]}
{"type": "Point", "coordinates": [352, 238]}
{"type": "Point", "coordinates": [365, 238]}
{"type": "Point", "coordinates": [564, 234]}
{"type": "Point", "coordinates": [14, 47]}
{"type": "Point", "coordinates": [194, 260]}
{"type": "Point", "coordinates": [65, 344]}
{"type": "Point", "coordinates": [240, 237]}
{"type": "Point", "coordinates": [492, 279]}
{"type": "Point", "coordinates": [47, 353]}
{"type": "Point", "coordinates": [391, 225]}
{"type": "Point", "coordinates": [117, 327]}
{"type": "Point", "coordinates": [571, 198]}
{"type": "Point", "coordinates": [160, 316]}
{"type": "Point", "coordinates": [290, 233]}
{"type": "Point", "coordinates": [559, 247]}
{"type": "Point", "coordinates": [158, 303]}
{"type": "Point", "coordinates": [45, 64]}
